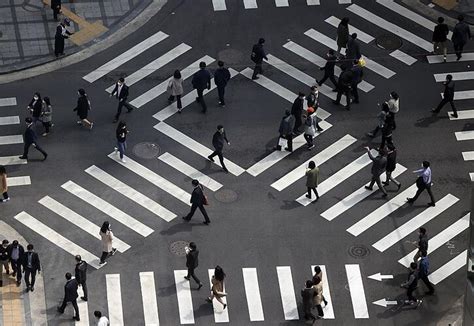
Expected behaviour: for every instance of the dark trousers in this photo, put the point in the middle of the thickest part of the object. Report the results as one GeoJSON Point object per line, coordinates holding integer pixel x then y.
{"type": "Point", "coordinates": [320, 310]}
{"type": "Point", "coordinates": [298, 123]}
{"type": "Point", "coordinates": [56, 12]}
{"type": "Point", "coordinates": [201, 208]}
{"type": "Point", "coordinates": [342, 89]}
{"type": "Point", "coordinates": [221, 157]}
{"type": "Point", "coordinates": [220, 92]}
{"type": "Point", "coordinates": [200, 99]}
{"type": "Point", "coordinates": [35, 145]}
{"type": "Point", "coordinates": [308, 314]}
{"type": "Point", "coordinates": [386, 139]}
{"type": "Point", "coordinates": [16, 267]}
{"type": "Point", "coordinates": [30, 277]}
{"type": "Point", "coordinates": [289, 145]}
{"type": "Point", "coordinates": [443, 102]}
{"type": "Point", "coordinates": [58, 45]}
{"type": "Point", "coordinates": [121, 104]}
{"type": "Point", "coordinates": [330, 75]}
{"type": "Point", "coordinates": [191, 274]}
{"type": "Point", "coordinates": [315, 192]}
{"type": "Point", "coordinates": [74, 304]}
{"type": "Point", "coordinates": [420, 190]}
{"type": "Point", "coordinates": [376, 179]}
{"type": "Point", "coordinates": [410, 294]}
{"type": "Point", "coordinates": [309, 139]}
{"type": "Point", "coordinates": [178, 100]}
{"type": "Point", "coordinates": [458, 48]}
{"type": "Point", "coordinates": [427, 283]}
{"type": "Point", "coordinates": [355, 92]}
{"type": "Point", "coordinates": [47, 126]}
{"type": "Point", "coordinates": [84, 289]}
{"type": "Point", "coordinates": [104, 256]}
{"type": "Point", "coordinates": [5, 195]}
{"type": "Point", "coordinates": [257, 70]}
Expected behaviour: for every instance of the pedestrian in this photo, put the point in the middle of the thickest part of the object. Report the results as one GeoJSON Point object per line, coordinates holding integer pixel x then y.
{"type": "Point", "coordinates": [343, 87]}
{"type": "Point", "coordinates": [218, 143]}
{"type": "Point", "coordinates": [201, 81]}
{"type": "Point", "coordinates": [440, 37]}
{"type": "Point", "coordinates": [198, 200]}
{"type": "Point", "coordinates": [308, 293]}
{"type": "Point", "coordinates": [312, 179]}
{"type": "Point", "coordinates": [423, 182]}
{"type": "Point", "coordinates": [36, 107]}
{"type": "Point", "coordinates": [101, 320]}
{"type": "Point", "coordinates": [353, 49]}
{"type": "Point", "coordinates": [461, 34]}
{"type": "Point", "coordinates": [391, 165]}
{"type": "Point", "coordinates": [342, 34]}
{"type": "Point", "coordinates": [47, 115]}
{"type": "Point", "coordinates": [257, 56]}
{"type": "Point", "coordinates": [329, 69]}
{"type": "Point", "coordinates": [297, 112]}
{"type": "Point", "coordinates": [318, 298]}
{"type": "Point", "coordinates": [357, 76]}
{"type": "Point", "coordinates": [29, 139]}
{"type": "Point", "coordinates": [192, 263]}
{"type": "Point", "coordinates": [121, 134]}
{"type": "Point", "coordinates": [31, 266]}
{"type": "Point", "coordinates": [448, 96]}
{"type": "Point", "coordinates": [80, 272]}
{"type": "Point", "coordinates": [56, 7]}
{"type": "Point", "coordinates": [309, 127]}
{"type": "Point", "coordinates": [380, 120]}
{"type": "Point", "coordinates": [70, 295]}
{"type": "Point", "coordinates": [175, 89]}
{"type": "Point", "coordinates": [411, 284]}
{"type": "Point", "coordinates": [423, 269]}
{"type": "Point", "coordinates": [319, 273]}
{"type": "Point", "coordinates": [421, 244]}
{"type": "Point", "coordinates": [387, 130]}
{"type": "Point", "coordinates": [221, 77]}
{"type": "Point", "coordinates": [394, 102]}
{"type": "Point", "coordinates": [83, 107]}
{"type": "Point", "coordinates": [379, 163]}
{"type": "Point", "coordinates": [15, 252]}
{"type": "Point", "coordinates": [287, 124]}
{"type": "Point", "coordinates": [4, 258]}
{"type": "Point", "coordinates": [4, 184]}
{"type": "Point", "coordinates": [107, 237]}
{"type": "Point", "coordinates": [61, 34]}
{"type": "Point", "coordinates": [121, 93]}
{"type": "Point", "coordinates": [217, 288]}
{"type": "Point", "coordinates": [312, 100]}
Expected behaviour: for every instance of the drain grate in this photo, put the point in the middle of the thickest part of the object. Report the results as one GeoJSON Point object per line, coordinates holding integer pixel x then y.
{"type": "Point", "coordinates": [389, 42]}
{"type": "Point", "coordinates": [359, 251]}
{"type": "Point", "coordinates": [226, 196]}
{"type": "Point", "coordinates": [177, 248]}
{"type": "Point", "coordinates": [146, 150]}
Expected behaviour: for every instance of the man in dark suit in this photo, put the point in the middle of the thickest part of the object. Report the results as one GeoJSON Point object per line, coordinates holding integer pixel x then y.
{"type": "Point", "coordinates": [221, 77]}
{"type": "Point", "coordinates": [297, 111]}
{"type": "Point", "coordinates": [70, 295]}
{"type": "Point", "coordinates": [30, 139]}
{"type": "Point", "coordinates": [121, 92]}
{"type": "Point", "coordinates": [31, 266]}
{"type": "Point", "coordinates": [197, 200]}
{"type": "Point", "coordinates": [81, 275]}
{"type": "Point", "coordinates": [201, 81]}
{"type": "Point", "coordinates": [218, 143]}
{"type": "Point", "coordinates": [357, 75]}
{"type": "Point", "coordinates": [192, 262]}
{"type": "Point", "coordinates": [379, 164]}
{"type": "Point", "coordinates": [329, 69]}
{"type": "Point", "coordinates": [258, 54]}
{"type": "Point", "coordinates": [448, 96]}
{"type": "Point", "coordinates": [344, 87]}
{"type": "Point", "coordinates": [56, 7]}
{"type": "Point", "coordinates": [15, 252]}
{"type": "Point", "coordinates": [353, 49]}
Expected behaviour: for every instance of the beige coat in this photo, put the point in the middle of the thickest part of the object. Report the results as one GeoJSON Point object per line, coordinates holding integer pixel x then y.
{"type": "Point", "coordinates": [175, 86]}
{"type": "Point", "coordinates": [318, 298]}
{"type": "Point", "coordinates": [107, 241]}
{"type": "Point", "coordinates": [3, 183]}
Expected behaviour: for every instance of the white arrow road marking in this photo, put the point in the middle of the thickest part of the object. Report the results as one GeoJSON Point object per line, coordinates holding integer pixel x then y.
{"type": "Point", "coordinates": [385, 302]}
{"type": "Point", "coordinates": [379, 277]}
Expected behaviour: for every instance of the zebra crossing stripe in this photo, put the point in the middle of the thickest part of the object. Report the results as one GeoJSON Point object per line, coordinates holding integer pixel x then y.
{"type": "Point", "coordinates": [462, 95]}
{"type": "Point", "coordinates": [57, 239]}
{"type": "Point", "coordinates": [449, 268]}
{"type": "Point", "coordinates": [381, 212]}
{"type": "Point", "coordinates": [130, 193]}
{"type": "Point", "coordinates": [450, 58]}
{"type": "Point", "coordinates": [11, 139]}
{"type": "Point", "coordinates": [125, 57]}
{"type": "Point", "coordinates": [464, 135]}
{"type": "Point", "coordinates": [79, 221]}
{"type": "Point", "coordinates": [471, 176]}
{"type": "Point", "coordinates": [323, 156]}
{"type": "Point", "coordinates": [468, 156]}
{"type": "Point", "coordinates": [463, 75]}
{"type": "Point", "coordinates": [252, 292]}
{"type": "Point", "coordinates": [220, 315]}
{"type": "Point", "coordinates": [328, 309]}
{"type": "Point", "coordinates": [250, 4]}
{"type": "Point", "coordinates": [11, 120]}
{"type": "Point", "coordinates": [11, 160]}
{"type": "Point", "coordinates": [356, 288]}
{"type": "Point", "coordinates": [219, 5]}
{"type": "Point", "coordinates": [313, 2]}
{"type": "Point", "coordinates": [403, 57]}
{"type": "Point", "coordinates": [114, 299]}
{"type": "Point", "coordinates": [18, 181]}
{"type": "Point", "coordinates": [282, 3]}
{"type": "Point", "coordinates": [8, 101]}
{"type": "Point", "coordinates": [107, 208]}
{"type": "Point", "coordinates": [83, 309]}
{"type": "Point", "coordinates": [353, 199]}
{"type": "Point", "coordinates": [185, 301]}
{"type": "Point", "coordinates": [287, 293]}
{"type": "Point", "coordinates": [462, 115]}
{"type": "Point", "coordinates": [440, 239]}
{"type": "Point", "coordinates": [361, 35]}
{"type": "Point", "coordinates": [345, 2]}
{"type": "Point", "coordinates": [150, 305]}
{"type": "Point", "coordinates": [416, 222]}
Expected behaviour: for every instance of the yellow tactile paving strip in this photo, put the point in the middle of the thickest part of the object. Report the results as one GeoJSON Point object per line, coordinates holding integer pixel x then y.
{"type": "Point", "coordinates": [446, 4]}
{"type": "Point", "coordinates": [12, 303]}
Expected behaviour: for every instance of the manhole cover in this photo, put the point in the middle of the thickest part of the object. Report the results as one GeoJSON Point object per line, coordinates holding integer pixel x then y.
{"type": "Point", "coordinates": [146, 150]}
{"type": "Point", "coordinates": [226, 196]}
{"type": "Point", "coordinates": [231, 57]}
{"type": "Point", "coordinates": [388, 42]}
{"type": "Point", "coordinates": [359, 251]}
{"type": "Point", "coordinates": [177, 248]}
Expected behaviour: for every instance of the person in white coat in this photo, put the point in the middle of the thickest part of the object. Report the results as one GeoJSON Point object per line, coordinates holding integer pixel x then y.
{"type": "Point", "coordinates": [175, 89]}
{"type": "Point", "coordinates": [107, 237]}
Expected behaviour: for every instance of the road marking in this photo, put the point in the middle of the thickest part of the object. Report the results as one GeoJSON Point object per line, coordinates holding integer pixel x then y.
{"type": "Point", "coordinates": [468, 156]}
{"type": "Point", "coordinates": [287, 293]}
{"type": "Point", "coordinates": [323, 156]}
{"type": "Point", "coordinates": [328, 309]}
{"type": "Point", "coordinates": [154, 65]}
{"type": "Point", "coordinates": [11, 160]}
{"type": "Point", "coordinates": [381, 212]}
{"type": "Point", "coordinates": [414, 223]}
{"type": "Point", "coordinates": [114, 299]}
{"type": "Point", "coordinates": [130, 193]}
{"type": "Point", "coordinates": [450, 58]}
{"type": "Point", "coordinates": [464, 135]}
{"type": "Point", "coordinates": [344, 2]}
{"type": "Point", "coordinates": [392, 28]}
{"type": "Point", "coordinates": [250, 4]}
{"type": "Point", "coordinates": [462, 95]}
{"type": "Point", "coordinates": [361, 35]}
{"type": "Point", "coordinates": [449, 268]}
{"type": "Point", "coordinates": [107, 208]}
{"type": "Point", "coordinates": [471, 175]}
{"type": "Point", "coordinates": [125, 57]}
{"type": "Point", "coordinates": [190, 171]}
{"type": "Point", "coordinates": [8, 101]}
{"type": "Point", "coordinates": [282, 3]}
{"type": "Point", "coordinates": [338, 177]}
{"type": "Point", "coordinates": [150, 305]}
{"type": "Point", "coordinates": [195, 146]}
{"type": "Point", "coordinates": [252, 292]}
{"type": "Point", "coordinates": [403, 57]}
{"type": "Point", "coordinates": [462, 115]}
{"type": "Point", "coordinates": [220, 315]}
{"type": "Point", "coordinates": [57, 239]}
{"type": "Point", "coordinates": [440, 239]}
{"type": "Point", "coordinates": [357, 196]}
{"type": "Point", "coordinates": [463, 75]}
{"type": "Point", "coordinates": [153, 178]}
{"type": "Point", "coordinates": [356, 288]}
{"type": "Point", "coordinates": [219, 5]}
{"type": "Point", "coordinates": [83, 309]}
{"type": "Point", "coordinates": [11, 120]}
{"type": "Point", "coordinates": [11, 139]}
{"type": "Point", "coordinates": [185, 301]}
{"type": "Point", "coordinates": [18, 181]}
{"type": "Point", "coordinates": [313, 2]}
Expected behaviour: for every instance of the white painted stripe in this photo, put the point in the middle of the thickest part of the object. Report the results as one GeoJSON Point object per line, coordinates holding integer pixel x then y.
{"type": "Point", "coordinates": [83, 310]}
{"type": "Point", "coordinates": [159, 89]}
{"type": "Point", "coordinates": [414, 223]}
{"type": "Point", "coordinates": [11, 120]}
{"type": "Point", "coordinates": [450, 58]}
{"type": "Point", "coordinates": [276, 156]}
{"type": "Point", "coordinates": [361, 35]}
{"type": "Point", "coordinates": [11, 139]}
{"type": "Point", "coordinates": [114, 299]}
{"type": "Point", "coordinates": [57, 239]}
{"type": "Point", "coordinates": [319, 61]}
{"type": "Point", "coordinates": [153, 178]}
{"type": "Point", "coordinates": [395, 29]}
{"type": "Point", "coordinates": [462, 95]}
{"type": "Point", "coordinates": [403, 57]}
{"type": "Point", "coordinates": [79, 221]}
{"type": "Point", "coordinates": [328, 310]}
{"type": "Point", "coordinates": [440, 239]}
{"type": "Point", "coordinates": [463, 75]}
{"type": "Point", "coordinates": [462, 115]}
{"type": "Point", "coordinates": [125, 57]}
{"type": "Point", "coordinates": [150, 305]}
{"type": "Point", "coordinates": [471, 175]}
{"type": "Point", "coordinates": [464, 135]}
{"type": "Point", "coordinates": [323, 156]}
{"type": "Point", "coordinates": [220, 315]}
{"type": "Point", "coordinates": [354, 198]}
{"type": "Point", "coordinates": [8, 101]}
{"type": "Point", "coordinates": [186, 100]}
{"type": "Point", "coordinates": [356, 288]}
{"type": "Point", "coordinates": [219, 5]}
{"type": "Point", "coordinates": [313, 2]}
{"type": "Point", "coordinates": [195, 146]}
{"type": "Point", "coordinates": [107, 208]}
{"type": "Point", "coordinates": [344, 2]}
{"type": "Point", "coordinates": [185, 301]}
{"type": "Point", "coordinates": [154, 65]}
{"type": "Point", "coordinates": [468, 156]}
{"type": "Point", "coordinates": [11, 160]}
{"type": "Point", "coordinates": [18, 181]}
{"type": "Point", "coordinates": [130, 193]}
{"type": "Point", "coordinates": [250, 4]}
{"type": "Point", "coordinates": [287, 293]}
{"type": "Point", "coordinates": [252, 292]}
{"type": "Point", "coordinates": [449, 268]}
{"type": "Point", "coordinates": [282, 3]}
{"type": "Point", "coordinates": [382, 212]}
{"type": "Point", "coordinates": [190, 171]}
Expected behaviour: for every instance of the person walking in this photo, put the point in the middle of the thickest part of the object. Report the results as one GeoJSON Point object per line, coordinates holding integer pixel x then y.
{"type": "Point", "coordinates": [329, 69]}
{"type": "Point", "coordinates": [342, 34]}
{"type": "Point", "coordinates": [461, 34]}
{"type": "Point", "coordinates": [218, 142]}
{"type": "Point", "coordinates": [257, 56]}
{"type": "Point", "coordinates": [4, 259]}
{"type": "Point", "coordinates": [120, 91]}
{"type": "Point", "coordinates": [297, 112]}
{"type": "Point", "coordinates": [343, 87]}
{"type": "Point", "coordinates": [380, 120]}
{"type": "Point", "coordinates": [287, 124]}
{"type": "Point", "coordinates": [379, 163]}
{"type": "Point", "coordinates": [31, 266]}
{"type": "Point", "coordinates": [36, 107]}
{"type": "Point", "coordinates": [353, 49]}
{"type": "Point", "coordinates": [309, 127]}
{"type": "Point", "coordinates": [318, 298]}
{"type": "Point", "coordinates": [308, 293]}
{"type": "Point", "coordinates": [16, 252]}
{"type": "Point", "coordinates": [319, 273]}
{"type": "Point", "coordinates": [101, 320]}
{"type": "Point", "coordinates": [312, 179]}
{"type": "Point", "coordinates": [312, 100]}
{"type": "Point", "coordinates": [192, 262]}
{"type": "Point", "coordinates": [421, 244]}
{"type": "Point", "coordinates": [107, 237]}
{"type": "Point", "coordinates": [175, 89]}
{"type": "Point", "coordinates": [411, 284]}
{"type": "Point", "coordinates": [61, 34]}
{"type": "Point", "coordinates": [423, 268]}
{"type": "Point", "coordinates": [357, 76]}
{"type": "Point", "coordinates": [440, 37]}
{"type": "Point", "coordinates": [80, 272]}
{"type": "Point", "coordinates": [448, 96]}
{"type": "Point", "coordinates": [391, 165]}
{"type": "Point", "coordinates": [217, 288]}
{"type": "Point", "coordinates": [423, 182]}
{"type": "Point", "coordinates": [121, 134]}
{"type": "Point", "coordinates": [201, 81]}
{"type": "Point", "coordinates": [3, 184]}
{"type": "Point", "coordinates": [56, 7]}
{"type": "Point", "coordinates": [198, 200]}
{"type": "Point", "coordinates": [221, 77]}
{"type": "Point", "coordinates": [47, 115]}
{"type": "Point", "coordinates": [29, 139]}
{"type": "Point", "coordinates": [394, 102]}
{"type": "Point", "coordinates": [83, 107]}
{"type": "Point", "coordinates": [387, 130]}
{"type": "Point", "coordinates": [70, 295]}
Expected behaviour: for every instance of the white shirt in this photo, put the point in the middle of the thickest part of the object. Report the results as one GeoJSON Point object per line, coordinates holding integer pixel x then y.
{"type": "Point", "coordinates": [103, 321]}
{"type": "Point", "coordinates": [119, 89]}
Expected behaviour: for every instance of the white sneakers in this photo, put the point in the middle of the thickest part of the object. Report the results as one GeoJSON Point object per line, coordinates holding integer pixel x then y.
{"type": "Point", "coordinates": [4, 200]}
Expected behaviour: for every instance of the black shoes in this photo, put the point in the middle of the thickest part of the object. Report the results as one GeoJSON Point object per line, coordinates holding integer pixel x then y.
{"type": "Point", "coordinates": [84, 298]}
{"type": "Point", "coordinates": [185, 218]}
{"type": "Point", "coordinates": [45, 157]}
{"type": "Point", "coordinates": [200, 286]}
{"type": "Point", "coordinates": [454, 115]}
{"type": "Point", "coordinates": [410, 200]}
{"type": "Point", "coordinates": [210, 158]}
{"type": "Point", "coordinates": [206, 222]}
{"type": "Point", "coordinates": [431, 204]}
{"type": "Point", "coordinates": [23, 157]}
{"type": "Point", "coordinates": [187, 278]}
{"type": "Point", "coordinates": [368, 188]}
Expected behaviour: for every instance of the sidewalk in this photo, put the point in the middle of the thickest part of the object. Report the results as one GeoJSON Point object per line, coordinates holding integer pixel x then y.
{"type": "Point", "coordinates": [449, 9]}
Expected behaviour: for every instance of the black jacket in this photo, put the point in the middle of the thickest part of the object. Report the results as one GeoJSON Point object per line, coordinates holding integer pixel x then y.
{"type": "Point", "coordinates": [221, 76]}
{"type": "Point", "coordinates": [197, 197]}
{"type": "Point", "coordinates": [345, 78]}
{"type": "Point", "coordinates": [82, 107]}
{"type": "Point", "coordinates": [353, 49]}
{"type": "Point", "coordinates": [379, 164]}
{"type": "Point", "coordinates": [123, 92]}
{"type": "Point", "coordinates": [35, 262]}
{"type": "Point", "coordinates": [391, 160]}
{"type": "Point", "coordinates": [357, 74]}
{"type": "Point", "coordinates": [258, 53]}
{"type": "Point", "coordinates": [10, 249]}
{"type": "Point", "coordinates": [29, 136]}
{"type": "Point", "coordinates": [4, 253]}
{"type": "Point", "coordinates": [192, 259]}
{"type": "Point", "coordinates": [59, 33]}
{"type": "Point", "coordinates": [330, 64]}
{"type": "Point", "coordinates": [461, 33]}
{"type": "Point", "coordinates": [37, 107]}
{"type": "Point", "coordinates": [70, 290]}
{"type": "Point", "coordinates": [202, 79]}
{"type": "Point", "coordinates": [55, 3]}
{"type": "Point", "coordinates": [440, 33]}
{"type": "Point", "coordinates": [297, 108]}
{"type": "Point", "coordinates": [218, 140]}
{"type": "Point", "coordinates": [287, 125]}
{"type": "Point", "coordinates": [81, 272]}
{"type": "Point", "coordinates": [449, 90]}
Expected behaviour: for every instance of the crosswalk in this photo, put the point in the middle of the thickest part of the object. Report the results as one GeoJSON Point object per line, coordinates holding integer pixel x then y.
{"type": "Point", "coordinates": [221, 5]}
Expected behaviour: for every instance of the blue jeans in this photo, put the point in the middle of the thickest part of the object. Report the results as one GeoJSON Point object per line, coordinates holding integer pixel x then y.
{"type": "Point", "coordinates": [122, 146]}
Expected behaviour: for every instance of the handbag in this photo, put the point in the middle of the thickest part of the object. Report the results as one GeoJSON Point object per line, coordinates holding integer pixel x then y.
{"type": "Point", "coordinates": [206, 200]}
{"type": "Point", "coordinates": [169, 88]}
{"type": "Point", "coordinates": [282, 142]}
{"type": "Point", "coordinates": [420, 183]}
